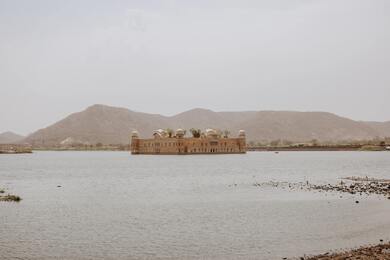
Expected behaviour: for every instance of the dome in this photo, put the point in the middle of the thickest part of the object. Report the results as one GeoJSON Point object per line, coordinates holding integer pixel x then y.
{"type": "Point", "coordinates": [241, 133]}
{"type": "Point", "coordinates": [179, 131]}
{"type": "Point", "coordinates": [211, 132]}
{"type": "Point", "coordinates": [134, 133]}
{"type": "Point", "coordinates": [160, 133]}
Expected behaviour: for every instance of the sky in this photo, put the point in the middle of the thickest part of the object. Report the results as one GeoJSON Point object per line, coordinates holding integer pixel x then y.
{"type": "Point", "coordinates": [58, 57]}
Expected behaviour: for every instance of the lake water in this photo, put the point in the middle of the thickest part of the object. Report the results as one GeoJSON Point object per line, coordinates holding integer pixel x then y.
{"type": "Point", "coordinates": [112, 205]}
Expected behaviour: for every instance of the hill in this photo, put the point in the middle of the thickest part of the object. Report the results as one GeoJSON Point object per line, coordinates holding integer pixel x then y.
{"type": "Point", "coordinates": [382, 128]}
{"type": "Point", "coordinates": [112, 125]}
{"type": "Point", "coordinates": [10, 137]}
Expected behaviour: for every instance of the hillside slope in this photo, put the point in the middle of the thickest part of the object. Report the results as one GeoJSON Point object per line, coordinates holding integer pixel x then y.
{"type": "Point", "coordinates": [304, 126]}
{"type": "Point", "coordinates": [10, 137]}
{"type": "Point", "coordinates": [112, 125]}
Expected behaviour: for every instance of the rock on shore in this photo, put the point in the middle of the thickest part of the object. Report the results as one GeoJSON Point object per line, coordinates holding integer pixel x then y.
{"type": "Point", "coordinates": [378, 252]}
{"type": "Point", "coordinates": [351, 185]}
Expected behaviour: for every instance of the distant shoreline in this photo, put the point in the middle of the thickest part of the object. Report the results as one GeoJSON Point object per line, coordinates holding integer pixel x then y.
{"type": "Point", "coordinates": [15, 148]}
{"type": "Point", "coordinates": [317, 148]}
{"type": "Point", "coordinates": [79, 150]}
{"type": "Point", "coordinates": [250, 149]}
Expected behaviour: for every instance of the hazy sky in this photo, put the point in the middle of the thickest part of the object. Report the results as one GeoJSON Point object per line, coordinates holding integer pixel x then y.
{"type": "Point", "coordinates": [58, 57]}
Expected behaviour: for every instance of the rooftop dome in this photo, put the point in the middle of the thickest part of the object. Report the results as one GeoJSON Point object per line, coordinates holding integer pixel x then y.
{"type": "Point", "coordinates": [180, 132]}
{"type": "Point", "coordinates": [134, 133]}
{"type": "Point", "coordinates": [160, 133]}
{"type": "Point", "coordinates": [211, 132]}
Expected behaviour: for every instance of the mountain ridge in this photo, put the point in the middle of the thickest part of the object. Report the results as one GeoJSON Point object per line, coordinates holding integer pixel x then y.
{"type": "Point", "coordinates": [112, 125]}
{"type": "Point", "coordinates": [10, 137]}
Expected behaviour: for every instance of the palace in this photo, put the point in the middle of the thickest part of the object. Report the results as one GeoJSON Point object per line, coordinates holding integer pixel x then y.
{"type": "Point", "coordinates": [210, 142]}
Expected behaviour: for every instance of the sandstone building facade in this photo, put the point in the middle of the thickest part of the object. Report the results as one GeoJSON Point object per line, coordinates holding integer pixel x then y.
{"type": "Point", "coordinates": [208, 143]}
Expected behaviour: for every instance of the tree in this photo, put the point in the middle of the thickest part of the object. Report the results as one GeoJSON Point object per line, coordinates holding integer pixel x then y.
{"type": "Point", "coordinates": [195, 132]}
{"type": "Point", "coordinates": [169, 132]}
{"type": "Point", "coordinates": [287, 142]}
{"type": "Point", "coordinates": [275, 142]}
{"type": "Point", "coordinates": [251, 143]}
{"type": "Point", "coordinates": [261, 143]}
{"type": "Point", "coordinates": [314, 142]}
{"type": "Point", "coordinates": [226, 133]}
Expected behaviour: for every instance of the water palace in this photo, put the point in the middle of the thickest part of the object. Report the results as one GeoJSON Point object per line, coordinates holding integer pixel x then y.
{"type": "Point", "coordinates": [209, 142]}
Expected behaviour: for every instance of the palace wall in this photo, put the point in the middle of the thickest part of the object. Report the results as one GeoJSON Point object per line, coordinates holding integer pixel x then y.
{"type": "Point", "coordinates": [174, 145]}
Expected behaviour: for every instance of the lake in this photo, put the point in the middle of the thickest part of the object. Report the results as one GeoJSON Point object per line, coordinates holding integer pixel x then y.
{"type": "Point", "coordinates": [112, 205]}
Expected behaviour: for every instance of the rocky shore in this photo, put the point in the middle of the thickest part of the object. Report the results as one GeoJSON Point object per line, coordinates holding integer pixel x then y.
{"type": "Point", "coordinates": [351, 185]}
{"type": "Point", "coordinates": [358, 187]}
{"type": "Point", "coordinates": [378, 252]}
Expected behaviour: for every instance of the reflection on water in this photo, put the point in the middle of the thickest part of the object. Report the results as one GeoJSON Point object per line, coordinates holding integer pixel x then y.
{"type": "Point", "coordinates": [112, 205]}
